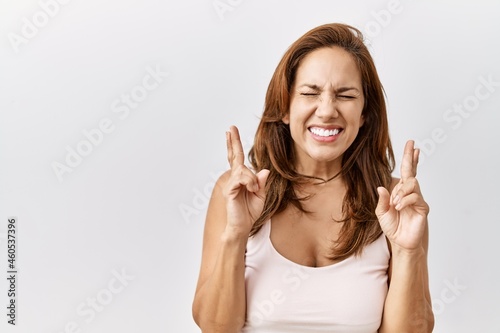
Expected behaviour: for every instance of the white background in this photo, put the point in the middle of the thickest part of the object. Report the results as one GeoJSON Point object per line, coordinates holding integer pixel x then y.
{"type": "Point", "coordinates": [137, 201]}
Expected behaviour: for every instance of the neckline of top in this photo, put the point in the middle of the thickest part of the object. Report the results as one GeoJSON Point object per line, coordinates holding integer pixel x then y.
{"type": "Point", "coordinates": [267, 225]}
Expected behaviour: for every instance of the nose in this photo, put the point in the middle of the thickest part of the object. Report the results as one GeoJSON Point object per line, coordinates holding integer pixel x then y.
{"type": "Point", "coordinates": [327, 108]}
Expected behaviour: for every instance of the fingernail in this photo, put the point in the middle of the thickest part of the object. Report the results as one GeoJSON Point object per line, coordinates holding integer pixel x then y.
{"type": "Point", "coordinates": [398, 206]}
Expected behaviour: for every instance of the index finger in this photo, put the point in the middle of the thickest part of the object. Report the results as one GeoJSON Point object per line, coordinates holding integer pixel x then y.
{"type": "Point", "coordinates": [410, 161]}
{"type": "Point", "coordinates": [235, 154]}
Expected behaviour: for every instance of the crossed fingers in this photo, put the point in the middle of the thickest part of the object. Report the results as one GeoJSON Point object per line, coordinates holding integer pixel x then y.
{"type": "Point", "coordinates": [407, 191]}
{"type": "Point", "coordinates": [240, 174]}
{"type": "Point", "coordinates": [235, 154]}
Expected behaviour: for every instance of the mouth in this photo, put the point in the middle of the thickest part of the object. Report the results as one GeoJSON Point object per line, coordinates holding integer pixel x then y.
{"type": "Point", "coordinates": [325, 132]}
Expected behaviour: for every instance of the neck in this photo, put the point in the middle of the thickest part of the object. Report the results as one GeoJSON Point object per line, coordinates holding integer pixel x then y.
{"type": "Point", "coordinates": [317, 187]}
{"type": "Point", "coordinates": [321, 173]}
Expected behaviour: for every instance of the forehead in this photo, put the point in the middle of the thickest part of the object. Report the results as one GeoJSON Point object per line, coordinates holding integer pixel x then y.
{"type": "Point", "coordinates": [328, 65]}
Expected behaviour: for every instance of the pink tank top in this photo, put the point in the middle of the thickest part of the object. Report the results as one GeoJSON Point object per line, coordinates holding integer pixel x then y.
{"type": "Point", "coordinates": [285, 297]}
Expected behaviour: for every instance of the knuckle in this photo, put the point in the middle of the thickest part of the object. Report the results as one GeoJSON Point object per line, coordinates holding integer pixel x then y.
{"type": "Point", "coordinates": [239, 170]}
{"type": "Point", "coordinates": [415, 185]}
{"type": "Point", "coordinates": [236, 170]}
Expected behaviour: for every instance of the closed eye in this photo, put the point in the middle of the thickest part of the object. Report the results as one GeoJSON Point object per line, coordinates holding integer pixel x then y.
{"type": "Point", "coordinates": [309, 94]}
{"type": "Point", "coordinates": [346, 97]}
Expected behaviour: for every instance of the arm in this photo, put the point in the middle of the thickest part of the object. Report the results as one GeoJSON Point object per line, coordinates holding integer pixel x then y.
{"type": "Point", "coordinates": [219, 304]}
{"type": "Point", "coordinates": [408, 304]}
{"type": "Point", "coordinates": [403, 218]}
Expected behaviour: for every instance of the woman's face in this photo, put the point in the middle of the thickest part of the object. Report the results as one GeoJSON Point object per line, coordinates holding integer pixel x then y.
{"type": "Point", "coordinates": [325, 109]}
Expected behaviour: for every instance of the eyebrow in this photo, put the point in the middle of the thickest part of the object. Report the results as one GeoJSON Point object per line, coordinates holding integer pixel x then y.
{"type": "Point", "coordinates": [316, 87]}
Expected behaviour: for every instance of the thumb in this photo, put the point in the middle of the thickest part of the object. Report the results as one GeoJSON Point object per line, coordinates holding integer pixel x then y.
{"type": "Point", "coordinates": [262, 178]}
{"type": "Point", "coordinates": [383, 205]}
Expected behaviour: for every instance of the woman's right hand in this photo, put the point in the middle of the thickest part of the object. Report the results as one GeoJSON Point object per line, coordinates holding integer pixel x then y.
{"type": "Point", "coordinates": [244, 191]}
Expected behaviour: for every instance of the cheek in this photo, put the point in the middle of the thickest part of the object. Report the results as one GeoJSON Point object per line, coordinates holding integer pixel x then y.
{"type": "Point", "coordinates": [354, 114]}
{"type": "Point", "coordinates": [296, 125]}
{"type": "Point", "coordinates": [301, 110]}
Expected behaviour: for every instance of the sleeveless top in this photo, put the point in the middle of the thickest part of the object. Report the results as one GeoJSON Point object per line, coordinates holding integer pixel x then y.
{"type": "Point", "coordinates": [285, 297]}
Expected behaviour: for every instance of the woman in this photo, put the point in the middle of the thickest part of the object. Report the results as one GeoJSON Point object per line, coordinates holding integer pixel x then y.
{"type": "Point", "coordinates": [321, 238]}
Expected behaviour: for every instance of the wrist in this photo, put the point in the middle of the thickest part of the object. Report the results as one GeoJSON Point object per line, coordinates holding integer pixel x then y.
{"type": "Point", "coordinates": [401, 252]}
{"type": "Point", "coordinates": [232, 235]}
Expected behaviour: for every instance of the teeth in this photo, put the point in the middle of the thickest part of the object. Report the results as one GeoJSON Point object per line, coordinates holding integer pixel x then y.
{"type": "Point", "coordinates": [323, 132]}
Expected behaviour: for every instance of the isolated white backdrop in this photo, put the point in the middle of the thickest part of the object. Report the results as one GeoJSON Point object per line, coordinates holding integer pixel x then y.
{"type": "Point", "coordinates": [134, 205]}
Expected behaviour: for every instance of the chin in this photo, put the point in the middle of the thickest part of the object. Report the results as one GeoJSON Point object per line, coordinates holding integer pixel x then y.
{"type": "Point", "coordinates": [325, 157]}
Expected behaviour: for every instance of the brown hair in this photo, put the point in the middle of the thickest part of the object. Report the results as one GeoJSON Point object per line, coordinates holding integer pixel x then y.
{"type": "Point", "coordinates": [367, 163]}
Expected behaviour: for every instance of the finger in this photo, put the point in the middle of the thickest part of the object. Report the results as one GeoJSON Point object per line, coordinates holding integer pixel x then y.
{"type": "Point", "coordinates": [383, 204]}
{"type": "Point", "coordinates": [407, 169]}
{"type": "Point", "coordinates": [414, 199]}
{"type": "Point", "coordinates": [396, 189]}
{"type": "Point", "coordinates": [229, 147]}
{"type": "Point", "coordinates": [416, 155]}
{"type": "Point", "coordinates": [262, 176]}
{"type": "Point", "coordinates": [238, 180]}
{"type": "Point", "coordinates": [235, 154]}
{"type": "Point", "coordinates": [408, 187]}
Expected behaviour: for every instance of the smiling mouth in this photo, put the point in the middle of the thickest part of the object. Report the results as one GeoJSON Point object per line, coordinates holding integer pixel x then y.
{"type": "Point", "coordinates": [324, 132]}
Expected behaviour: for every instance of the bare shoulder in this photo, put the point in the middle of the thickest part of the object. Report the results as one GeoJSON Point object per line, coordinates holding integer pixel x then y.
{"type": "Point", "coordinates": [215, 217]}
{"type": "Point", "coordinates": [218, 190]}
{"type": "Point", "coordinates": [224, 177]}
{"type": "Point", "coordinates": [215, 222]}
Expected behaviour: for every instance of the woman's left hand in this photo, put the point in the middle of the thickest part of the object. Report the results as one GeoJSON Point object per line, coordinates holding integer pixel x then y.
{"type": "Point", "coordinates": [403, 214]}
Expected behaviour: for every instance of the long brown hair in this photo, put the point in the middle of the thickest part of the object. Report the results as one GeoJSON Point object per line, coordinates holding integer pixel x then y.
{"type": "Point", "coordinates": [367, 163]}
